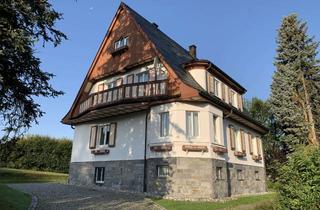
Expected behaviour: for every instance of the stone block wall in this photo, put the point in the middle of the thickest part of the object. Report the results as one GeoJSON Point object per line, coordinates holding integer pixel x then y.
{"type": "Point", "coordinates": [119, 175]}
{"type": "Point", "coordinates": [189, 178]}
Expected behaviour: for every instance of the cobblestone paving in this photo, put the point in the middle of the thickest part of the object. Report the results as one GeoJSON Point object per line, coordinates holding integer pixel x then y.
{"type": "Point", "coordinates": [67, 197]}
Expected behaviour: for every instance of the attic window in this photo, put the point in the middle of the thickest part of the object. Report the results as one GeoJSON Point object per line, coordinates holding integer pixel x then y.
{"type": "Point", "coordinates": [121, 43]}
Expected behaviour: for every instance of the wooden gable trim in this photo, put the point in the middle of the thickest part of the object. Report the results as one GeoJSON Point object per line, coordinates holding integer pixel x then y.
{"type": "Point", "coordinates": [86, 79]}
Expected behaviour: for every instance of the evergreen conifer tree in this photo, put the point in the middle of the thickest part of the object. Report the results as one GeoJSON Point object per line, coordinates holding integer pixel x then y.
{"type": "Point", "coordinates": [295, 90]}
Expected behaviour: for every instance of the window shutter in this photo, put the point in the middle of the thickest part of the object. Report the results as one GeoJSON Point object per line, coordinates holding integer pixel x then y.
{"type": "Point", "coordinates": [223, 90]}
{"type": "Point", "coordinates": [231, 137]}
{"type": "Point", "coordinates": [112, 137]}
{"type": "Point", "coordinates": [230, 96]}
{"type": "Point", "coordinates": [93, 136]}
{"type": "Point", "coordinates": [239, 101]}
{"type": "Point", "coordinates": [259, 146]}
{"type": "Point", "coordinates": [250, 143]}
{"type": "Point", "coordinates": [243, 141]}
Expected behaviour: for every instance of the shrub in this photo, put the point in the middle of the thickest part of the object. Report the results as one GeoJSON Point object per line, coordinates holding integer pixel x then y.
{"type": "Point", "coordinates": [299, 180]}
{"type": "Point", "coordinates": [37, 152]}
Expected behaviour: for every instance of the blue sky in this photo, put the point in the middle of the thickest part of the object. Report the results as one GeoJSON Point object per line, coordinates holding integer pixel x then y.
{"type": "Point", "coordinates": [238, 36]}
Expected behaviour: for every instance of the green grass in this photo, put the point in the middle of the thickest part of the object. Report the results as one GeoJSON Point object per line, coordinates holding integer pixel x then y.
{"type": "Point", "coordinates": [241, 203]}
{"type": "Point", "coordinates": [8, 175]}
{"type": "Point", "coordinates": [11, 199]}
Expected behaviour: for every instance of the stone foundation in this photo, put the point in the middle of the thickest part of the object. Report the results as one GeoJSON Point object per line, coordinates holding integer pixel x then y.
{"type": "Point", "coordinates": [189, 178]}
{"type": "Point", "coordinates": [119, 175]}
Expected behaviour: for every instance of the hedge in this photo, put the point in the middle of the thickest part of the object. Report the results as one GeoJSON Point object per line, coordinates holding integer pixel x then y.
{"type": "Point", "coordinates": [299, 180]}
{"type": "Point", "coordinates": [38, 153]}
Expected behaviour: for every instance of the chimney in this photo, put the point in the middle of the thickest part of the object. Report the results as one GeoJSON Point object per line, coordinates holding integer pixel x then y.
{"type": "Point", "coordinates": [155, 25]}
{"type": "Point", "coordinates": [193, 51]}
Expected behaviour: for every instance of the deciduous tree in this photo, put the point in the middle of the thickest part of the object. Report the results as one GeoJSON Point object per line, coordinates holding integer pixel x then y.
{"type": "Point", "coordinates": [22, 24]}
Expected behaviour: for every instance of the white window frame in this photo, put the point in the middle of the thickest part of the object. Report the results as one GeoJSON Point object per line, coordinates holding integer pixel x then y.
{"type": "Point", "coordinates": [257, 175]}
{"type": "Point", "coordinates": [106, 137]}
{"type": "Point", "coordinates": [193, 132]}
{"type": "Point", "coordinates": [121, 43]}
{"type": "Point", "coordinates": [166, 173]}
{"type": "Point", "coordinates": [164, 124]}
{"type": "Point", "coordinates": [144, 75]}
{"type": "Point", "coordinates": [240, 176]}
{"type": "Point", "coordinates": [215, 127]}
{"type": "Point", "coordinates": [219, 173]}
{"type": "Point", "coordinates": [101, 178]}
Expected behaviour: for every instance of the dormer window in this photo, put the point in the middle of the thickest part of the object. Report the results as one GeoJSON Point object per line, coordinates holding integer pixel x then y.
{"type": "Point", "coordinates": [121, 43]}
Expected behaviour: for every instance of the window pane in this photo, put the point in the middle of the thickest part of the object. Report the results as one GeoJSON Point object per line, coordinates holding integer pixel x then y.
{"type": "Point", "coordinates": [163, 171]}
{"type": "Point", "coordinates": [188, 123]}
{"type": "Point", "coordinates": [214, 123]}
{"type": "Point", "coordinates": [107, 134]}
{"type": "Point", "coordinates": [102, 135]}
{"type": "Point", "coordinates": [164, 124]}
{"type": "Point", "coordinates": [195, 124]}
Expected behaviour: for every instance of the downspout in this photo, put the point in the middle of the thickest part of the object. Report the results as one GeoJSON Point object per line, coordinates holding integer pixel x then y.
{"type": "Point", "coordinates": [145, 152]}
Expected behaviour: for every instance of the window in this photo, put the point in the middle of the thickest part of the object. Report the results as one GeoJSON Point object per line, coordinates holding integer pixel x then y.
{"type": "Point", "coordinates": [240, 175]}
{"type": "Point", "coordinates": [143, 77]}
{"type": "Point", "coordinates": [232, 98]}
{"type": "Point", "coordinates": [164, 124]}
{"type": "Point", "coordinates": [242, 140]}
{"type": "Point", "coordinates": [130, 79]}
{"type": "Point", "coordinates": [210, 84]}
{"type": "Point", "coordinates": [163, 171]}
{"type": "Point", "coordinates": [99, 175]}
{"type": "Point", "coordinates": [256, 175]}
{"type": "Point", "coordinates": [121, 43]}
{"type": "Point", "coordinates": [192, 126]}
{"type": "Point", "coordinates": [215, 128]}
{"type": "Point", "coordinates": [219, 173]}
{"type": "Point", "coordinates": [103, 135]}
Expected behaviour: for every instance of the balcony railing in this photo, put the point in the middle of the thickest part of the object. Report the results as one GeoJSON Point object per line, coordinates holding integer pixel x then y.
{"type": "Point", "coordinates": [126, 92]}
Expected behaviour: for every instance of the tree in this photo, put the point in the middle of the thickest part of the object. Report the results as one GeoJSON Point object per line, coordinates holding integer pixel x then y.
{"type": "Point", "coordinates": [275, 151]}
{"type": "Point", "coordinates": [22, 24]}
{"type": "Point", "coordinates": [295, 90]}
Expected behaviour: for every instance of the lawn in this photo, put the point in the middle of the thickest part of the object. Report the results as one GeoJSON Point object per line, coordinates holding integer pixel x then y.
{"type": "Point", "coordinates": [11, 199]}
{"type": "Point", "coordinates": [253, 202]}
{"type": "Point", "coordinates": [8, 175]}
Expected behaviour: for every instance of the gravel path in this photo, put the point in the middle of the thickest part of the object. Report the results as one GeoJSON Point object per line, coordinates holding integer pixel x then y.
{"type": "Point", "coordinates": [65, 197]}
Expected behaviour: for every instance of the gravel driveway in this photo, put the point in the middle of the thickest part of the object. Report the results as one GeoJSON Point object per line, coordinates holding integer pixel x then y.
{"type": "Point", "coordinates": [65, 197]}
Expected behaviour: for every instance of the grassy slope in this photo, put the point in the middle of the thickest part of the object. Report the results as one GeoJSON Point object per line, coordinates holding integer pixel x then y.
{"type": "Point", "coordinates": [245, 203]}
{"type": "Point", "coordinates": [24, 176]}
{"type": "Point", "coordinates": [12, 199]}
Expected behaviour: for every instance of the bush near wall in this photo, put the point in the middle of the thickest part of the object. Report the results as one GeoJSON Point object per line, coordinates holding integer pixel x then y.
{"type": "Point", "coordinates": [38, 153]}
{"type": "Point", "coordinates": [299, 180]}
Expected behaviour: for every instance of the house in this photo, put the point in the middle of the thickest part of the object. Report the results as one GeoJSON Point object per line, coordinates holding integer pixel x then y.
{"type": "Point", "coordinates": [152, 117]}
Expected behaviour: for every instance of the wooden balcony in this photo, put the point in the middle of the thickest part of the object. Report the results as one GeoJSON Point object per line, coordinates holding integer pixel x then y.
{"type": "Point", "coordinates": [127, 92]}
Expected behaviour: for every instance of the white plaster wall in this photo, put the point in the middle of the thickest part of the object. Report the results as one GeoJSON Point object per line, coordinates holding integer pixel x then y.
{"type": "Point", "coordinates": [130, 137]}
{"type": "Point", "coordinates": [177, 129]}
{"type": "Point", "coordinates": [200, 75]}
{"type": "Point", "coordinates": [177, 133]}
{"type": "Point", "coordinates": [245, 160]}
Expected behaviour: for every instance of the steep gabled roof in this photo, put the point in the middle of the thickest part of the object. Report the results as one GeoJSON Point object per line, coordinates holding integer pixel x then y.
{"type": "Point", "coordinates": [172, 52]}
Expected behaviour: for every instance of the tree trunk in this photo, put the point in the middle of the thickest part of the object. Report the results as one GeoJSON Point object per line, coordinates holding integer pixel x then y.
{"type": "Point", "coordinates": [311, 125]}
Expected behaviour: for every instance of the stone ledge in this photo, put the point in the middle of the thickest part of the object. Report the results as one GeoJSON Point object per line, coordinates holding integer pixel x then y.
{"type": "Point", "coordinates": [219, 149]}
{"type": "Point", "coordinates": [161, 148]}
{"type": "Point", "coordinates": [194, 148]}
{"type": "Point", "coordinates": [256, 157]}
{"type": "Point", "coordinates": [240, 154]}
{"type": "Point", "coordinates": [100, 151]}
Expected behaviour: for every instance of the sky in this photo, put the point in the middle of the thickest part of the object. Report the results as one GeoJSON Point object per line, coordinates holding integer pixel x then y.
{"type": "Point", "coordinates": [238, 36]}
